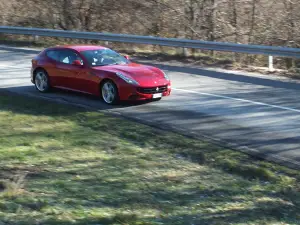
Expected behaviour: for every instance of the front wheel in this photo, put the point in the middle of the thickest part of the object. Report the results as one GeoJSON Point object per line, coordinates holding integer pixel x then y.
{"type": "Point", "coordinates": [109, 92]}
{"type": "Point", "coordinates": [41, 81]}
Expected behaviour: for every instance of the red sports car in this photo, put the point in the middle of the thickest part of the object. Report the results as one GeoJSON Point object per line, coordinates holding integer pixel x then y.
{"type": "Point", "coordinates": [98, 71]}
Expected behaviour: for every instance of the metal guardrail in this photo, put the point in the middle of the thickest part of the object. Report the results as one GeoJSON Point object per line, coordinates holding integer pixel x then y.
{"type": "Point", "coordinates": [172, 42]}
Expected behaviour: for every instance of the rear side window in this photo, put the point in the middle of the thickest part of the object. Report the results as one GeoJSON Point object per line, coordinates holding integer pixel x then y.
{"type": "Point", "coordinates": [53, 54]}
{"type": "Point", "coordinates": [64, 56]}
{"type": "Point", "coordinates": [68, 56]}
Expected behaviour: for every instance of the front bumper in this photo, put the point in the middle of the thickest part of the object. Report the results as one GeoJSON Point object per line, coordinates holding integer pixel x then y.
{"type": "Point", "coordinates": [134, 93]}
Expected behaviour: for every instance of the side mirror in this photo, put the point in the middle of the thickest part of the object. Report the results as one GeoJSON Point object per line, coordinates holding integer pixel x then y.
{"type": "Point", "coordinates": [126, 57]}
{"type": "Point", "coordinates": [76, 63]}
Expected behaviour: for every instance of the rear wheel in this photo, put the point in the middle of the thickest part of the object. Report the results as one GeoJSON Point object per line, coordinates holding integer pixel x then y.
{"type": "Point", "coordinates": [109, 92]}
{"type": "Point", "coordinates": [41, 81]}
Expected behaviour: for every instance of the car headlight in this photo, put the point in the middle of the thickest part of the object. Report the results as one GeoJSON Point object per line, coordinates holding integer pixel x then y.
{"type": "Point", "coordinates": [127, 79]}
{"type": "Point", "coordinates": [166, 76]}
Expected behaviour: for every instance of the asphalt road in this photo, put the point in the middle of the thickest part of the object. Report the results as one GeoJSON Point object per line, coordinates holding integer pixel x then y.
{"type": "Point", "coordinates": [255, 113]}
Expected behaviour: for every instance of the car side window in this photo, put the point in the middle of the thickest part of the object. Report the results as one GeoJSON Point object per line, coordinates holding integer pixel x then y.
{"type": "Point", "coordinates": [68, 57]}
{"type": "Point", "coordinates": [53, 54]}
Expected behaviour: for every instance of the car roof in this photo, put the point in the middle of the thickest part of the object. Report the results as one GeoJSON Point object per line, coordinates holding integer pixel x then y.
{"type": "Point", "coordinates": [80, 48]}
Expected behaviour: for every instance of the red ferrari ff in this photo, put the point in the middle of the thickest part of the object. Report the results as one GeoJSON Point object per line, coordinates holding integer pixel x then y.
{"type": "Point", "coordinates": [98, 71]}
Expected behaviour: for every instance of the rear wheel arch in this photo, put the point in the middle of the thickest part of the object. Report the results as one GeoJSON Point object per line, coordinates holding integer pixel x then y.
{"type": "Point", "coordinates": [44, 83]}
{"type": "Point", "coordinates": [35, 71]}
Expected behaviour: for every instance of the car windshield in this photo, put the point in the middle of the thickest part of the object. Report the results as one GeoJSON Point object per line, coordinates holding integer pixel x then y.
{"type": "Point", "coordinates": [103, 57]}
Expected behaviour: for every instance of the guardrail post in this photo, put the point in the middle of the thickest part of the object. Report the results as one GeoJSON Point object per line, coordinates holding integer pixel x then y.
{"type": "Point", "coordinates": [271, 67]}
{"type": "Point", "coordinates": [185, 52]}
{"type": "Point", "coordinates": [182, 52]}
{"type": "Point", "coordinates": [35, 38]}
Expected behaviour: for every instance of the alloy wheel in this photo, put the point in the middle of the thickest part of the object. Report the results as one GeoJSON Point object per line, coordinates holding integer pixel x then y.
{"type": "Point", "coordinates": [109, 92]}
{"type": "Point", "coordinates": [41, 81]}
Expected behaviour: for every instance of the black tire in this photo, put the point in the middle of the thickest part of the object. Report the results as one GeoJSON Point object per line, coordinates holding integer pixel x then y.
{"type": "Point", "coordinates": [115, 98]}
{"type": "Point", "coordinates": [41, 75]}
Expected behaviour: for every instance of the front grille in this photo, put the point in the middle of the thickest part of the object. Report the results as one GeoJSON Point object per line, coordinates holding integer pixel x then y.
{"type": "Point", "coordinates": [153, 90]}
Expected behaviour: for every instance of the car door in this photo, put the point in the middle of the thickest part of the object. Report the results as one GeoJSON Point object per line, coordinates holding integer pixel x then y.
{"type": "Point", "coordinates": [50, 66]}
{"type": "Point", "coordinates": [69, 74]}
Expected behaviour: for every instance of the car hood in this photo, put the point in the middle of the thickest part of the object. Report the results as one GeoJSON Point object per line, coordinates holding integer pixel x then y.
{"type": "Point", "coordinates": [146, 76]}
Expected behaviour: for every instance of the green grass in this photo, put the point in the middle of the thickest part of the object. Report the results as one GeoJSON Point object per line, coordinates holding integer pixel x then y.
{"type": "Point", "coordinates": [66, 165]}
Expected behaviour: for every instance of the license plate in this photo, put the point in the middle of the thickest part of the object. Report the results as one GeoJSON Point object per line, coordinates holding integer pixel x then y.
{"type": "Point", "coordinates": [158, 95]}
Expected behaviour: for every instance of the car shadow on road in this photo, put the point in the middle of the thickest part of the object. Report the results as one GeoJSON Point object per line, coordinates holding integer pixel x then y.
{"type": "Point", "coordinates": [74, 98]}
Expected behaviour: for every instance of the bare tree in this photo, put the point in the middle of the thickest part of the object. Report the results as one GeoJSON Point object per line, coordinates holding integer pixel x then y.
{"type": "Point", "coordinates": [240, 21]}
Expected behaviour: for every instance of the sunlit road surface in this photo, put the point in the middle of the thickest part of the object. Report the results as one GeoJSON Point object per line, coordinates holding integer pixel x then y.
{"type": "Point", "coordinates": [254, 113]}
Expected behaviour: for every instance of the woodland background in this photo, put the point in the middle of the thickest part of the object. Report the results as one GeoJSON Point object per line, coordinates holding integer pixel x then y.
{"type": "Point", "coordinates": [263, 22]}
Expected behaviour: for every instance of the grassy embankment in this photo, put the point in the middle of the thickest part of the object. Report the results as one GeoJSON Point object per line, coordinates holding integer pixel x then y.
{"type": "Point", "coordinates": [65, 165]}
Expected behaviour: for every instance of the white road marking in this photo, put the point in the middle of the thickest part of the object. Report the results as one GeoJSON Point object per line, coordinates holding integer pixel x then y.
{"type": "Point", "coordinates": [237, 99]}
